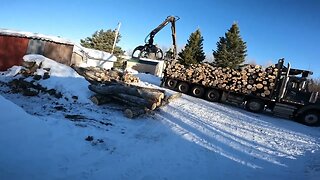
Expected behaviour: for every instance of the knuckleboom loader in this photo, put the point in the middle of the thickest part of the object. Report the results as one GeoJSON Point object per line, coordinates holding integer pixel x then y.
{"type": "Point", "coordinates": [150, 50]}
{"type": "Point", "coordinates": [289, 97]}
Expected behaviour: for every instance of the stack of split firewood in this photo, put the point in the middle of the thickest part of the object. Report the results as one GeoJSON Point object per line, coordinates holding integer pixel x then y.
{"type": "Point", "coordinates": [30, 68]}
{"type": "Point", "coordinates": [100, 75]}
{"type": "Point", "coordinates": [137, 100]}
{"type": "Point", "coordinates": [249, 79]}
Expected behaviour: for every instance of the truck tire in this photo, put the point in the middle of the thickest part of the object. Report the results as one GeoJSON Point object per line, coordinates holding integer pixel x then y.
{"type": "Point", "coordinates": [183, 87]}
{"type": "Point", "coordinates": [212, 95]}
{"type": "Point", "coordinates": [197, 91]}
{"type": "Point", "coordinates": [310, 118]}
{"type": "Point", "coordinates": [171, 83]}
{"type": "Point", "coordinates": [255, 105]}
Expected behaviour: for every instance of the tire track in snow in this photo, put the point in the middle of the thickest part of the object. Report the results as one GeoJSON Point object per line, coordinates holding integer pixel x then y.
{"type": "Point", "coordinates": [236, 133]}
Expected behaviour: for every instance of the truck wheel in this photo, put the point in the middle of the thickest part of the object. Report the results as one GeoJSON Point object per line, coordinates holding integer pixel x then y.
{"type": "Point", "coordinates": [171, 84]}
{"type": "Point", "coordinates": [183, 87]}
{"type": "Point", "coordinates": [212, 95]}
{"type": "Point", "coordinates": [311, 118]}
{"type": "Point", "coordinates": [197, 91]}
{"type": "Point", "coordinates": [255, 105]}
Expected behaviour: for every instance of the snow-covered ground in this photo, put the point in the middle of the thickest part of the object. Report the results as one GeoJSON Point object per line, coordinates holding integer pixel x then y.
{"type": "Point", "coordinates": [188, 139]}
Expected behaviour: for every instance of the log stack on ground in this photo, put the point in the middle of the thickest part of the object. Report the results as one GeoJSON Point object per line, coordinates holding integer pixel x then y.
{"type": "Point", "coordinates": [115, 86]}
{"type": "Point", "coordinates": [138, 100]}
{"type": "Point", "coordinates": [249, 79]}
{"type": "Point", "coordinates": [96, 75]}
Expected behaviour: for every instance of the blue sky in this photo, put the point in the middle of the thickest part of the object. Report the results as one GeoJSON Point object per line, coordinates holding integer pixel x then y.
{"type": "Point", "coordinates": [272, 28]}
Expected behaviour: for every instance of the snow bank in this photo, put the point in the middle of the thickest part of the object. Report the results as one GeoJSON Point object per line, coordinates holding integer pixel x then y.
{"type": "Point", "coordinates": [21, 135]}
{"type": "Point", "coordinates": [62, 78]}
{"type": "Point", "coordinates": [14, 70]}
{"type": "Point", "coordinates": [32, 148]}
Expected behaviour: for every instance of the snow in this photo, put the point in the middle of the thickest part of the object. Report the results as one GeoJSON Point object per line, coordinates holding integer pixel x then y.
{"type": "Point", "coordinates": [188, 139]}
{"type": "Point", "coordinates": [62, 78]}
{"type": "Point", "coordinates": [94, 57]}
{"type": "Point", "coordinates": [149, 79]}
{"type": "Point", "coordinates": [94, 54]}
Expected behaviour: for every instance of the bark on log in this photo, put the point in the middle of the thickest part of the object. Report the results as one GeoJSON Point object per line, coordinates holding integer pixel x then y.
{"type": "Point", "coordinates": [97, 75]}
{"type": "Point", "coordinates": [100, 99]}
{"type": "Point", "coordinates": [151, 95]}
{"type": "Point", "coordinates": [135, 101]}
{"type": "Point", "coordinates": [133, 112]}
{"type": "Point", "coordinates": [139, 99]}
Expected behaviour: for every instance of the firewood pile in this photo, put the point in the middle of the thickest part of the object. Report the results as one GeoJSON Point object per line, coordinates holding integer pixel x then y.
{"type": "Point", "coordinates": [30, 68]}
{"type": "Point", "coordinates": [249, 79]}
{"type": "Point", "coordinates": [99, 75]}
{"type": "Point", "coordinates": [32, 88]}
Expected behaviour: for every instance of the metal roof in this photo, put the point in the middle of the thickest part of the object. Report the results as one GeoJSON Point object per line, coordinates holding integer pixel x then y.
{"type": "Point", "coordinates": [30, 35]}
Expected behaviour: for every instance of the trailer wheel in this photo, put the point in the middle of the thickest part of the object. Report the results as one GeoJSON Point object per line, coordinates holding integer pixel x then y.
{"type": "Point", "coordinates": [183, 87]}
{"type": "Point", "coordinates": [212, 95]}
{"type": "Point", "coordinates": [255, 105]}
{"type": "Point", "coordinates": [197, 91]}
{"type": "Point", "coordinates": [171, 84]}
{"type": "Point", "coordinates": [310, 118]}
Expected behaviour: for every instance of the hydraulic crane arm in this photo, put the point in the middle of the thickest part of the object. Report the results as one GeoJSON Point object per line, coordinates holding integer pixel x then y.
{"type": "Point", "coordinates": [149, 50]}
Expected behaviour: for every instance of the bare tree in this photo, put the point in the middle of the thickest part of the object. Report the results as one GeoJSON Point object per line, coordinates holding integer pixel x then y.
{"type": "Point", "coordinates": [315, 85]}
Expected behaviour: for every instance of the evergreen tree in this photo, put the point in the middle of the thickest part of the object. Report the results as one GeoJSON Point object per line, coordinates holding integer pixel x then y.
{"type": "Point", "coordinates": [103, 41]}
{"type": "Point", "coordinates": [193, 51]}
{"type": "Point", "coordinates": [231, 49]}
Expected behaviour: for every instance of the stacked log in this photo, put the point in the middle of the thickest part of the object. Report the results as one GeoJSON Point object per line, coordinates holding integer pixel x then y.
{"type": "Point", "coordinates": [115, 86]}
{"type": "Point", "coordinates": [138, 100]}
{"type": "Point", "coordinates": [100, 75]}
{"type": "Point", "coordinates": [249, 79]}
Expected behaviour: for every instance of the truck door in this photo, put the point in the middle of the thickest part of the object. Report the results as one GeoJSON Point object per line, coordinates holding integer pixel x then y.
{"type": "Point", "coordinates": [296, 91]}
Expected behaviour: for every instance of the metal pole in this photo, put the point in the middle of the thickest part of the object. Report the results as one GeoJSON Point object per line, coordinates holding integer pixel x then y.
{"type": "Point", "coordinates": [115, 38]}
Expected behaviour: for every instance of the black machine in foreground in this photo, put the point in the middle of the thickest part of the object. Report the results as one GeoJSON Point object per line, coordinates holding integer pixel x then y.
{"type": "Point", "coordinates": [151, 51]}
{"type": "Point", "coordinates": [290, 97]}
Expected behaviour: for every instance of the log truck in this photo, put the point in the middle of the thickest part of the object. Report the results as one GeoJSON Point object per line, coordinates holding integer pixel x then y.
{"type": "Point", "coordinates": [289, 98]}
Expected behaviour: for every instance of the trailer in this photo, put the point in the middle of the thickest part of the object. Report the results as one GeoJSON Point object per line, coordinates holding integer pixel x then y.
{"type": "Point", "coordinates": [282, 90]}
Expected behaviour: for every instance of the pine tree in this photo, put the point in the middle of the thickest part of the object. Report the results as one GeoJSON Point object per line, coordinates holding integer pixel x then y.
{"type": "Point", "coordinates": [193, 51]}
{"type": "Point", "coordinates": [231, 49]}
{"type": "Point", "coordinates": [103, 41]}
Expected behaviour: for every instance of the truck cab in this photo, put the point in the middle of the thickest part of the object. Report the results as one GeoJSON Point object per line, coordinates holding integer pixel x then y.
{"type": "Point", "coordinates": [293, 98]}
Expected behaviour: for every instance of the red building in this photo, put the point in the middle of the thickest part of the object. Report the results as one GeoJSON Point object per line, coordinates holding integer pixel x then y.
{"type": "Point", "coordinates": [15, 44]}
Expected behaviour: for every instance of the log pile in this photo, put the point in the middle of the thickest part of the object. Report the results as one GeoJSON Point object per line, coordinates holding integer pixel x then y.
{"type": "Point", "coordinates": [114, 86]}
{"type": "Point", "coordinates": [138, 100]}
{"type": "Point", "coordinates": [97, 75]}
{"type": "Point", "coordinates": [249, 79]}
